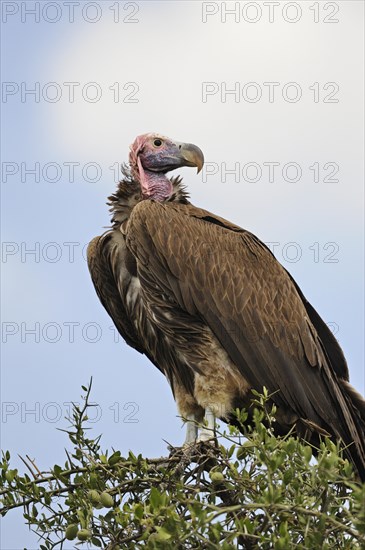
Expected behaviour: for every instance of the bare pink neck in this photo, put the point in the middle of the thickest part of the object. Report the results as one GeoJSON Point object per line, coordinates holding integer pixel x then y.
{"type": "Point", "coordinates": [154, 185]}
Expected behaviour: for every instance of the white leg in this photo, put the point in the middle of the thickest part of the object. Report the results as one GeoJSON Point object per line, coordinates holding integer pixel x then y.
{"type": "Point", "coordinates": [207, 433]}
{"type": "Point", "coordinates": [191, 430]}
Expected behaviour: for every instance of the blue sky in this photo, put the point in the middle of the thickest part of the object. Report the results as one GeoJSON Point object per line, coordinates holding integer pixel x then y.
{"type": "Point", "coordinates": [171, 72]}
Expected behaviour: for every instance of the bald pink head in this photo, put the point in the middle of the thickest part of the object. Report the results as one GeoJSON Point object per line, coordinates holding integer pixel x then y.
{"type": "Point", "coordinates": [153, 155]}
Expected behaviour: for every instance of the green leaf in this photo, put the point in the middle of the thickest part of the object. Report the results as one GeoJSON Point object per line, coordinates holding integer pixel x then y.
{"type": "Point", "coordinates": [348, 469]}
{"type": "Point", "coordinates": [155, 498]}
{"type": "Point", "coordinates": [231, 450]}
{"type": "Point", "coordinates": [115, 457]}
{"type": "Point", "coordinates": [94, 481]}
{"type": "Point", "coordinates": [283, 528]}
{"type": "Point", "coordinates": [307, 453]}
{"type": "Point", "coordinates": [10, 475]}
{"type": "Point", "coordinates": [57, 470]}
{"type": "Point", "coordinates": [162, 534]}
{"type": "Point", "coordinates": [132, 457]}
{"type": "Point", "coordinates": [139, 511]}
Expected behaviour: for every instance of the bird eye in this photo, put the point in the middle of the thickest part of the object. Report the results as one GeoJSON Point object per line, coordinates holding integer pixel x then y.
{"type": "Point", "coordinates": [157, 142]}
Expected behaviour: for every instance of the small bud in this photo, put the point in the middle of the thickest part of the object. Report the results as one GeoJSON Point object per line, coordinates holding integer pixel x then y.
{"type": "Point", "coordinates": [216, 477]}
{"type": "Point", "coordinates": [71, 531]}
{"type": "Point", "coordinates": [107, 500]}
{"type": "Point", "coordinates": [84, 534]}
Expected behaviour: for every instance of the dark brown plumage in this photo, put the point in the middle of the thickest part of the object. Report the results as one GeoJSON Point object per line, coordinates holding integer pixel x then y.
{"type": "Point", "coordinates": [213, 309]}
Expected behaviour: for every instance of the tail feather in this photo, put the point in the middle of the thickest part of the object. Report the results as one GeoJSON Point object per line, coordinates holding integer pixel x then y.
{"type": "Point", "coordinates": [355, 397]}
{"type": "Point", "coordinates": [355, 450]}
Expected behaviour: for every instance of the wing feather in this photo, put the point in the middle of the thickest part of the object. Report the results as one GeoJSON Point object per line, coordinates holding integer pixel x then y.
{"type": "Point", "coordinates": [253, 306]}
{"type": "Point", "coordinates": [112, 267]}
{"type": "Point", "coordinates": [113, 271]}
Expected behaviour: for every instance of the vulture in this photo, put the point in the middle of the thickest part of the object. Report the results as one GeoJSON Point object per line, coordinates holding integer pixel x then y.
{"type": "Point", "coordinates": [208, 303]}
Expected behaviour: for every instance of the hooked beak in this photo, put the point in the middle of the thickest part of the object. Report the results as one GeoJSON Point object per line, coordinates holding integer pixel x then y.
{"type": "Point", "coordinates": [190, 155]}
{"type": "Point", "coordinates": [172, 155]}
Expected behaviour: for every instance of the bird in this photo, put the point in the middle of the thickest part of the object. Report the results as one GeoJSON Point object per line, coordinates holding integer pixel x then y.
{"type": "Point", "coordinates": [213, 309]}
